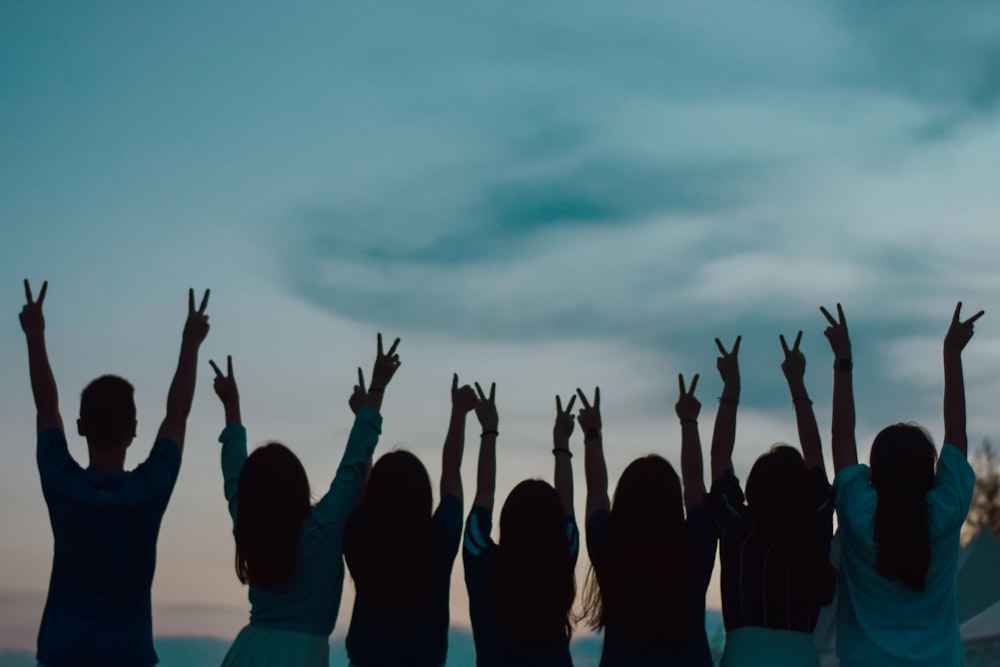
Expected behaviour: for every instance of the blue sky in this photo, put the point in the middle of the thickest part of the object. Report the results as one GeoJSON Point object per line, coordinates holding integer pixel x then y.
{"type": "Point", "coordinates": [560, 196]}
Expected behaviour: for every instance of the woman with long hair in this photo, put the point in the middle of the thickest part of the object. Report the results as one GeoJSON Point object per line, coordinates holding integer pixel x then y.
{"type": "Point", "coordinates": [400, 554]}
{"type": "Point", "coordinates": [287, 550]}
{"type": "Point", "coordinates": [650, 565]}
{"type": "Point", "coordinates": [900, 521]}
{"type": "Point", "coordinates": [521, 589]}
{"type": "Point", "coordinates": [774, 541]}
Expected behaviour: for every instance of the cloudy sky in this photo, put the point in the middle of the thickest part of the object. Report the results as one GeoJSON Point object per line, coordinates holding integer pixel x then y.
{"type": "Point", "coordinates": [566, 195]}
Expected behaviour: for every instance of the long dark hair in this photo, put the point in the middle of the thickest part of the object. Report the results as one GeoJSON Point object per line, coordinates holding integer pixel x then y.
{"type": "Point", "coordinates": [902, 463]}
{"type": "Point", "coordinates": [391, 561]}
{"type": "Point", "coordinates": [533, 580]}
{"type": "Point", "coordinates": [781, 500]}
{"type": "Point", "coordinates": [644, 583]}
{"type": "Point", "coordinates": [273, 501]}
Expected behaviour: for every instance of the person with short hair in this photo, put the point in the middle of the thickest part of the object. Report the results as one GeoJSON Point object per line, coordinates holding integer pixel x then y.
{"type": "Point", "coordinates": [105, 519]}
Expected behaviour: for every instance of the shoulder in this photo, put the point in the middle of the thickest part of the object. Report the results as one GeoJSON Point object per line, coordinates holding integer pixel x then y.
{"type": "Point", "coordinates": [854, 497]}
{"type": "Point", "coordinates": [52, 455]}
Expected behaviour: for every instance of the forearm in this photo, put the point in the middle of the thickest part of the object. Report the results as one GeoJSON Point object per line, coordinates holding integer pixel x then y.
{"type": "Point", "coordinates": [596, 471]}
{"type": "Point", "coordinates": [486, 476]}
{"type": "Point", "coordinates": [563, 473]}
{"type": "Point", "coordinates": [43, 383]}
{"type": "Point", "coordinates": [845, 451]}
{"type": "Point", "coordinates": [451, 455]}
{"type": "Point", "coordinates": [724, 432]}
{"type": "Point", "coordinates": [805, 423]}
{"type": "Point", "coordinates": [692, 466]}
{"type": "Point", "coordinates": [954, 403]}
{"type": "Point", "coordinates": [181, 393]}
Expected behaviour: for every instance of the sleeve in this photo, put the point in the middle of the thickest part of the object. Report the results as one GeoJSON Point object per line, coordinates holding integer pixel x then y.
{"type": "Point", "coordinates": [159, 470]}
{"type": "Point", "coordinates": [477, 546]}
{"type": "Point", "coordinates": [52, 455]}
{"type": "Point", "coordinates": [855, 499]}
{"type": "Point", "coordinates": [336, 505]}
{"type": "Point", "coordinates": [704, 542]}
{"type": "Point", "coordinates": [595, 525]}
{"type": "Point", "coordinates": [234, 454]}
{"type": "Point", "coordinates": [951, 496]}
{"type": "Point", "coordinates": [725, 503]}
{"type": "Point", "coordinates": [823, 493]}
{"type": "Point", "coordinates": [448, 528]}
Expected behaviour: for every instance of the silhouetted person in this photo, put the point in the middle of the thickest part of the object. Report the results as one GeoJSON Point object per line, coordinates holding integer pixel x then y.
{"type": "Point", "coordinates": [521, 589]}
{"type": "Point", "coordinates": [900, 522]}
{"type": "Point", "coordinates": [105, 520]}
{"type": "Point", "coordinates": [775, 546]}
{"type": "Point", "coordinates": [650, 565]}
{"type": "Point", "coordinates": [287, 550]}
{"type": "Point", "coordinates": [401, 555]}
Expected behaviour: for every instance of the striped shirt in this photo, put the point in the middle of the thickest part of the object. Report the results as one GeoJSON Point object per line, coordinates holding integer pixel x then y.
{"type": "Point", "coordinates": [759, 588]}
{"type": "Point", "coordinates": [309, 600]}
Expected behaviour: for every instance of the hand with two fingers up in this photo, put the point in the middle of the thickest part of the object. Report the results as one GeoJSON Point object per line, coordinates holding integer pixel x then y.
{"type": "Point", "coordinates": [688, 407]}
{"type": "Point", "coordinates": [590, 415]}
{"type": "Point", "coordinates": [227, 391]}
{"type": "Point", "coordinates": [32, 320]}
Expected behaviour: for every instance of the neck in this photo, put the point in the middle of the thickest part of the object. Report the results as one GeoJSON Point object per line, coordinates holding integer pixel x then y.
{"type": "Point", "coordinates": [107, 461]}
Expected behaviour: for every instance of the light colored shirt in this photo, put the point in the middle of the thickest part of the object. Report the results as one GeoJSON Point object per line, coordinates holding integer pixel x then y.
{"type": "Point", "coordinates": [309, 600]}
{"type": "Point", "coordinates": [882, 622]}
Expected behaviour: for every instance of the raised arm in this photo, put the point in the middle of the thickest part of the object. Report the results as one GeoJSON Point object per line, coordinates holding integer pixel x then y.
{"type": "Point", "coordinates": [959, 335]}
{"type": "Point", "coordinates": [486, 476]}
{"type": "Point", "coordinates": [463, 401]}
{"type": "Point", "coordinates": [43, 383]}
{"type": "Point", "coordinates": [843, 442]}
{"type": "Point", "coordinates": [724, 433]}
{"type": "Point", "coordinates": [563, 474]}
{"type": "Point", "coordinates": [595, 468]}
{"type": "Point", "coordinates": [794, 368]}
{"type": "Point", "coordinates": [227, 391]}
{"type": "Point", "coordinates": [234, 436]}
{"type": "Point", "coordinates": [181, 392]}
{"type": "Point", "coordinates": [692, 467]}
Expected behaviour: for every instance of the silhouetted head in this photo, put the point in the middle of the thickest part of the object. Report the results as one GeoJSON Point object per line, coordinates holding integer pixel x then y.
{"type": "Point", "coordinates": [273, 500]}
{"type": "Point", "coordinates": [391, 560]}
{"type": "Point", "coordinates": [534, 582]}
{"type": "Point", "coordinates": [642, 581]}
{"type": "Point", "coordinates": [782, 499]}
{"type": "Point", "coordinates": [107, 413]}
{"type": "Point", "coordinates": [902, 465]}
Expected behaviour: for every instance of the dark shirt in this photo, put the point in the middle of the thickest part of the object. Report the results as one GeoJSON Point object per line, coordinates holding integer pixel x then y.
{"type": "Point", "coordinates": [105, 529]}
{"type": "Point", "coordinates": [692, 651]}
{"type": "Point", "coordinates": [382, 637]}
{"type": "Point", "coordinates": [496, 644]}
{"type": "Point", "coordinates": [758, 581]}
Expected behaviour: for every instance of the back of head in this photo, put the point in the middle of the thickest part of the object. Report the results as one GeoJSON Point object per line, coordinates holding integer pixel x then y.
{"type": "Point", "coordinates": [782, 502]}
{"type": "Point", "coordinates": [902, 464]}
{"type": "Point", "coordinates": [391, 565]}
{"type": "Point", "coordinates": [107, 412]}
{"type": "Point", "coordinates": [273, 501]}
{"type": "Point", "coordinates": [534, 581]}
{"type": "Point", "coordinates": [644, 584]}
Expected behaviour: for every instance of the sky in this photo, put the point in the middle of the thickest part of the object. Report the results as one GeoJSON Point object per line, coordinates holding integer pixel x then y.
{"type": "Point", "coordinates": [565, 195]}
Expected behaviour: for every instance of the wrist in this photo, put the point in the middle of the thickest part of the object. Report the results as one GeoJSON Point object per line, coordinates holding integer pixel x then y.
{"type": "Point", "coordinates": [562, 450]}
{"type": "Point", "coordinates": [489, 432]}
{"type": "Point", "coordinates": [592, 433]}
{"type": "Point", "coordinates": [843, 364]}
{"type": "Point", "coordinates": [689, 420]}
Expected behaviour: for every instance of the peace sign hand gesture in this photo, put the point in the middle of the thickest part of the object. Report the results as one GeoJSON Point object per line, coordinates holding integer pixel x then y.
{"type": "Point", "coordinates": [463, 399]}
{"type": "Point", "coordinates": [196, 327]}
{"type": "Point", "coordinates": [225, 385]}
{"type": "Point", "coordinates": [486, 408]}
{"type": "Point", "coordinates": [590, 415]}
{"type": "Point", "coordinates": [959, 333]}
{"type": "Point", "coordinates": [728, 364]}
{"type": "Point", "coordinates": [794, 365]}
{"type": "Point", "coordinates": [386, 365]}
{"type": "Point", "coordinates": [359, 396]}
{"type": "Point", "coordinates": [32, 320]}
{"type": "Point", "coordinates": [836, 333]}
{"type": "Point", "coordinates": [687, 406]}
{"type": "Point", "coordinates": [563, 427]}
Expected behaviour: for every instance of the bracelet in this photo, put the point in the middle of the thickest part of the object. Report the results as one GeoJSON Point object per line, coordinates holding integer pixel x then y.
{"type": "Point", "coordinates": [799, 399]}
{"type": "Point", "coordinates": [592, 433]}
{"type": "Point", "coordinates": [689, 421]}
{"type": "Point", "coordinates": [486, 433]}
{"type": "Point", "coordinates": [844, 364]}
{"type": "Point", "coordinates": [729, 401]}
{"type": "Point", "coordinates": [376, 390]}
{"type": "Point", "coordinates": [562, 450]}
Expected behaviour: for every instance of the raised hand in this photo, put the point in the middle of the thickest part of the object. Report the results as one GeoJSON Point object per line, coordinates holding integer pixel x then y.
{"type": "Point", "coordinates": [486, 409]}
{"type": "Point", "coordinates": [32, 320]}
{"type": "Point", "coordinates": [225, 385]}
{"type": "Point", "coordinates": [463, 399]}
{"type": "Point", "coordinates": [794, 365]}
{"type": "Point", "coordinates": [687, 406]}
{"type": "Point", "coordinates": [386, 365]}
{"type": "Point", "coordinates": [196, 327]}
{"type": "Point", "coordinates": [958, 336]}
{"type": "Point", "coordinates": [563, 427]}
{"type": "Point", "coordinates": [590, 415]}
{"type": "Point", "coordinates": [836, 333]}
{"type": "Point", "coordinates": [728, 364]}
{"type": "Point", "coordinates": [359, 396]}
